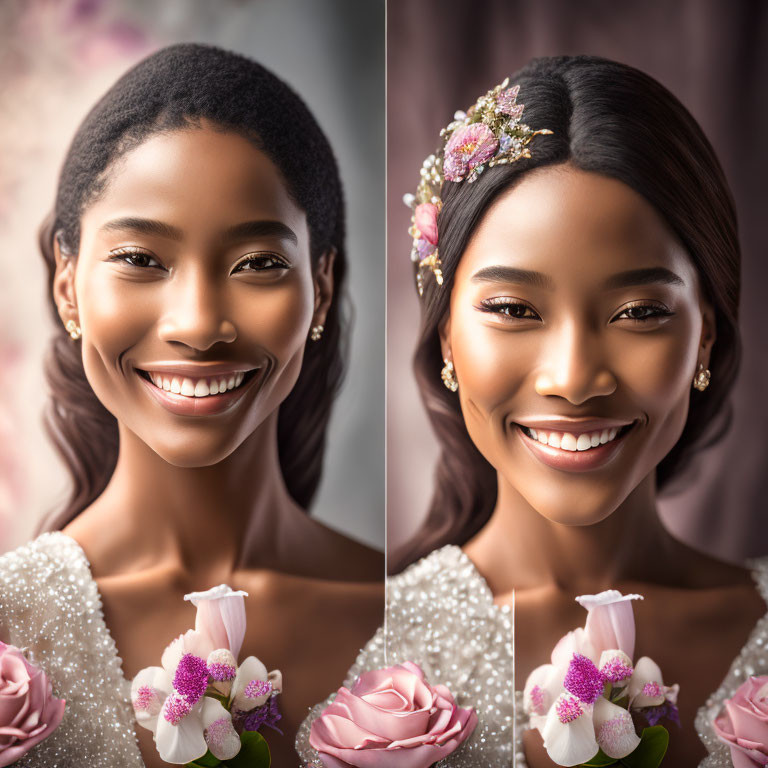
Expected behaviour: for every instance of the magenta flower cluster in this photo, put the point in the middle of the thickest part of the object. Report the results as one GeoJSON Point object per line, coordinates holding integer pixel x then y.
{"type": "Point", "coordinates": [584, 680]}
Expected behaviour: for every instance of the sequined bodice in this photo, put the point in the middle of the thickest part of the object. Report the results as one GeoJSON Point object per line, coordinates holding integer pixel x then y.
{"type": "Point", "coordinates": [753, 660]}
{"type": "Point", "coordinates": [50, 608]}
{"type": "Point", "coordinates": [441, 614]}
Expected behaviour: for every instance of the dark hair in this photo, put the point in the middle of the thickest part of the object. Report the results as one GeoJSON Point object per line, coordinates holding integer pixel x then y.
{"type": "Point", "coordinates": [611, 119]}
{"type": "Point", "coordinates": [175, 88]}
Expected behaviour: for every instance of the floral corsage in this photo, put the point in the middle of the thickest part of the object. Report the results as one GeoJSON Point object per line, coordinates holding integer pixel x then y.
{"type": "Point", "coordinates": [390, 718]}
{"type": "Point", "coordinates": [29, 712]}
{"type": "Point", "coordinates": [204, 709]}
{"type": "Point", "coordinates": [583, 703]}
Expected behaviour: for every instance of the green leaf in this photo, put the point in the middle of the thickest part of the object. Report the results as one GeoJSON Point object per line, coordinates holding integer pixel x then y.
{"type": "Point", "coordinates": [206, 761]}
{"type": "Point", "coordinates": [254, 752]}
{"type": "Point", "coordinates": [651, 750]}
{"type": "Point", "coordinates": [599, 760]}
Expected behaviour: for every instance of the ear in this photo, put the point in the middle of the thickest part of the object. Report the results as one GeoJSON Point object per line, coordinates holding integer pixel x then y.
{"type": "Point", "coordinates": [64, 283]}
{"type": "Point", "coordinates": [323, 279]}
{"type": "Point", "coordinates": [708, 332]}
{"type": "Point", "coordinates": [444, 331]}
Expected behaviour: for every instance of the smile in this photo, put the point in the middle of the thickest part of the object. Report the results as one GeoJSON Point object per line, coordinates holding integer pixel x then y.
{"type": "Point", "coordinates": [578, 453]}
{"type": "Point", "coordinates": [197, 387]}
{"type": "Point", "coordinates": [198, 396]}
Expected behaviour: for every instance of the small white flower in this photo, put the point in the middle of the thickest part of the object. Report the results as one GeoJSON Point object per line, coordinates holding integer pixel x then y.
{"type": "Point", "coordinates": [614, 729]}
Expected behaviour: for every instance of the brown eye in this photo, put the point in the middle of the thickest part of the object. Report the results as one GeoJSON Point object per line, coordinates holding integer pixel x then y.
{"type": "Point", "coordinates": [260, 263]}
{"type": "Point", "coordinates": [513, 309]}
{"type": "Point", "coordinates": [640, 312]}
{"type": "Point", "coordinates": [134, 258]}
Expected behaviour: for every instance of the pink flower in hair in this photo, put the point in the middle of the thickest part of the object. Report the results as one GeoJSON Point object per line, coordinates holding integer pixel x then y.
{"type": "Point", "coordinates": [425, 220]}
{"type": "Point", "coordinates": [468, 147]}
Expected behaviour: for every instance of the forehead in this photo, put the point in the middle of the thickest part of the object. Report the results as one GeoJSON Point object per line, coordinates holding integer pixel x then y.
{"type": "Point", "coordinates": [575, 226]}
{"type": "Point", "coordinates": [197, 178]}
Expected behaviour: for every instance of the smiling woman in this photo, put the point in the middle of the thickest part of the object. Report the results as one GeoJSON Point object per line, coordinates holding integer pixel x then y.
{"type": "Point", "coordinates": [577, 264]}
{"type": "Point", "coordinates": [197, 267]}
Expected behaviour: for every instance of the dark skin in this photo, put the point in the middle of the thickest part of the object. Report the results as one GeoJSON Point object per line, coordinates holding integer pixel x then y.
{"type": "Point", "coordinates": [197, 500]}
{"type": "Point", "coordinates": [573, 350]}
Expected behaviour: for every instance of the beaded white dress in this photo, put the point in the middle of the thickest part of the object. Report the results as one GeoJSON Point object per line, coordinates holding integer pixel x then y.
{"type": "Point", "coordinates": [50, 608]}
{"type": "Point", "coordinates": [441, 615]}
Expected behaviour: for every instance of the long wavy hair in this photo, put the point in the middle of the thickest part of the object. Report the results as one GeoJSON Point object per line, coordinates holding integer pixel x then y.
{"type": "Point", "coordinates": [175, 88]}
{"type": "Point", "coordinates": [611, 119]}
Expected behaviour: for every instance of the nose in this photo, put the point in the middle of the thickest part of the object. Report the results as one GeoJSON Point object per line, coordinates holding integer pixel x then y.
{"type": "Point", "coordinates": [574, 366]}
{"type": "Point", "coordinates": [195, 312]}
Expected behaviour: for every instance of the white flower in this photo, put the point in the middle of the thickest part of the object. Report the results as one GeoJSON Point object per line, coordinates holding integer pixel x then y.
{"type": "Point", "coordinates": [568, 732]}
{"type": "Point", "coordinates": [542, 688]}
{"type": "Point", "coordinates": [614, 729]}
{"type": "Point", "coordinates": [179, 726]}
{"type": "Point", "coordinates": [253, 685]}
{"type": "Point", "coordinates": [646, 687]}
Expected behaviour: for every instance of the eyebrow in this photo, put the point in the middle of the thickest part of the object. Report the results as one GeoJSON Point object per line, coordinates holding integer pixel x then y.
{"type": "Point", "coordinates": [632, 277]}
{"type": "Point", "coordinates": [243, 231]}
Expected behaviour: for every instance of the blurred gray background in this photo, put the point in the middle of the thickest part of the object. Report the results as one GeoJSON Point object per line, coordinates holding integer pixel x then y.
{"type": "Point", "coordinates": [56, 58]}
{"type": "Point", "coordinates": [713, 55]}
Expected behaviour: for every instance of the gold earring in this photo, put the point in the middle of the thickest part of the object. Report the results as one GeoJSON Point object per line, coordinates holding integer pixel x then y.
{"type": "Point", "coordinates": [701, 379]}
{"type": "Point", "coordinates": [448, 375]}
{"type": "Point", "coordinates": [74, 329]}
{"type": "Point", "coordinates": [316, 333]}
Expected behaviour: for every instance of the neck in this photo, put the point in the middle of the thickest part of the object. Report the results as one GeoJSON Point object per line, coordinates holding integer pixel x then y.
{"type": "Point", "coordinates": [199, 520]}
{"type": "Point", "coordinates": [520, 548]}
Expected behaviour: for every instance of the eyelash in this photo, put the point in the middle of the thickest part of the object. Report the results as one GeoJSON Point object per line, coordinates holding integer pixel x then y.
{"type": "Point", "coordinates": [125, 254]}
{"type": "Point", "coordinates": [499, 305]}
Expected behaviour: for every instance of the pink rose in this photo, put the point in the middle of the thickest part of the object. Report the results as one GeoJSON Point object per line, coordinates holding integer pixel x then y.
{"type": "Point", "coordinates": [391, 718]}
{"type": "Point", "coordinates": [743, 725]}
{"type": "Point", "coordinates": [425, 219]}
{"type": "Point", "coordinates": [28, 711]}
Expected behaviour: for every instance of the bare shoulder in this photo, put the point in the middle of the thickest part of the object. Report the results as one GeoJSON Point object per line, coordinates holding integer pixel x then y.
{"type": "Point", "coordinates": [326, 554]}
{"type": "Point", "coordinates": [716, 600]}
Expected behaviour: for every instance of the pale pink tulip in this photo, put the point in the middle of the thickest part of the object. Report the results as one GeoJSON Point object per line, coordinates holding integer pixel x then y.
{"type": "Point", "coordinates": [610, 621]}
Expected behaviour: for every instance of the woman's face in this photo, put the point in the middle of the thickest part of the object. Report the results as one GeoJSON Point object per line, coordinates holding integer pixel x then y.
{"type": "Point", "coordinates": [575, 312]}
{"type": "Point", "coordinates": [194, 291]}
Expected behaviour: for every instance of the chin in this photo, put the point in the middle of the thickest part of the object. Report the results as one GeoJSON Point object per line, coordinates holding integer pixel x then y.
{"type": "Point", "coordinates": [186, 456]}
{"type": "Point", "coordinates": [574, 509]}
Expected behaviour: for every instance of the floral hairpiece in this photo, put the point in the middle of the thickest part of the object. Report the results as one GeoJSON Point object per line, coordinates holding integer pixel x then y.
{"type": "Point", "coordinates": [489, 133]}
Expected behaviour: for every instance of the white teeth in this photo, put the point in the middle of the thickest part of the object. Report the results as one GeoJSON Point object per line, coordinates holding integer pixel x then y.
{"type": "Point", "coordinates": [566, 441]}
{"type": "Point", "coordinates": [197, 387]}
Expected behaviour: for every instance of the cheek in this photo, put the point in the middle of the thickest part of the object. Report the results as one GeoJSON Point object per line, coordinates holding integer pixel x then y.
{"type": "Point", "coordinates": [114, 316]}
{"type": "Point", "coordinates": [491, 369]}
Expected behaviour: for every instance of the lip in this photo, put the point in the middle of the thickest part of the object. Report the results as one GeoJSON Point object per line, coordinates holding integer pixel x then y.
{"type": "Point", "coordinates": [575, 461]}
{"type": "Point", "coordinates": [574, 426]}
{"type": "Point", "coordinates": [194, 370]}
{"type": "Point", "coordinates": [181, 405]}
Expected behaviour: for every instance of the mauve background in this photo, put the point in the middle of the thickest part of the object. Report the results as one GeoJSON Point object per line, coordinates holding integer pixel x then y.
{"type": "Point", "coordinates": [713, 55]}
{"type": "Point", "coordinates": [56, 58]}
